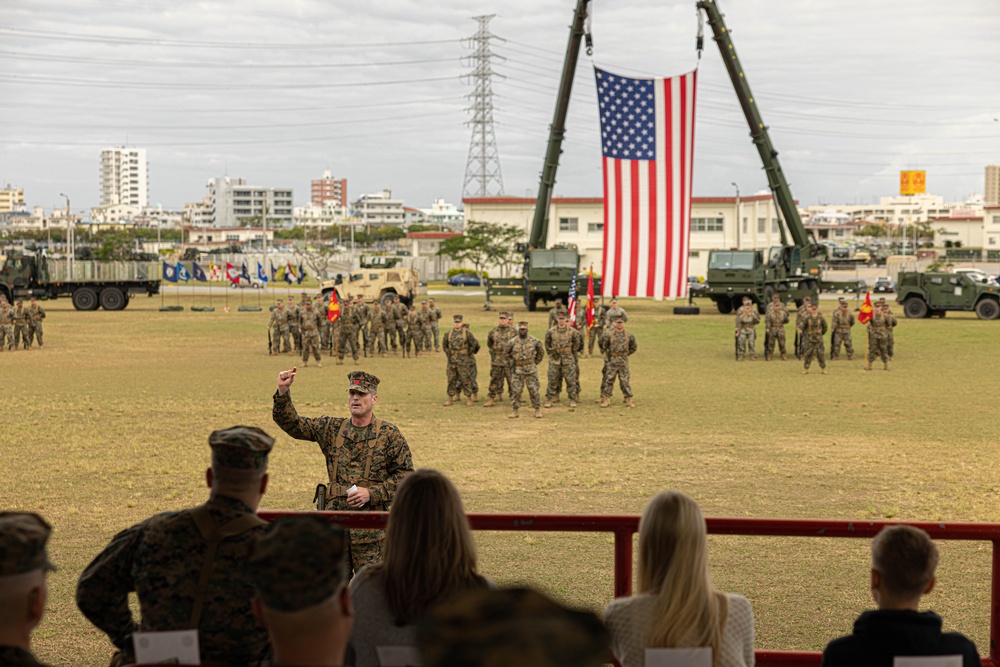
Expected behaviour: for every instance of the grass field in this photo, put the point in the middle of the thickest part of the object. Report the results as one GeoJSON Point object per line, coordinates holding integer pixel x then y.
{"type": "Point", "coordinates": [109, 423]}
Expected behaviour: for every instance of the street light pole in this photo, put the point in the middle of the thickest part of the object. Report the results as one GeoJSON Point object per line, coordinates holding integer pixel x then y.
{"type": "Point", "coordinates": [738, 220]}
{"type": "Point", "coordinates": [69, 237]}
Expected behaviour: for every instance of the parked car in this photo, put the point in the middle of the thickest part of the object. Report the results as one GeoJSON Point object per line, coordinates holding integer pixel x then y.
{"type": "Point", "coordinates": [977, 276]}
{"type": "Point", "coordinates": [696, 286]}
{"type": "Point", "coordinates": [884, 284]}
{"type": "Point", "coordinates": [243, 283]}
{"type": "Point", "coordinates": [465, 279]}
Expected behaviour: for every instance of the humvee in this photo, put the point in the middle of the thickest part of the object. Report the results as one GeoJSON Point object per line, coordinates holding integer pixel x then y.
{"type": "Point", "coordinates": [380, 278]}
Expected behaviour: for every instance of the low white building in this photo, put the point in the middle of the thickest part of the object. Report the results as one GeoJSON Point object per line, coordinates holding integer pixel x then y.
{"type": "Point", "coordinates": [113, 214]}
{"type": "Point", "coordinates": [448, 216]}
{"type": "Point", "coordinates": [991, 227]}
{"type": "Point", "coordinates": [328, 214]}
{"type": "Point", "coordinates": [379, 210]}
{"type": "Point", "coordinates": [959, 231]}
{"type": "Point", "coordinates": [206, 239]}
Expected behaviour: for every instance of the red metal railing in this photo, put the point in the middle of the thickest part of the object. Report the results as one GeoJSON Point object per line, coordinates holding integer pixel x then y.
{"type": "Point", "coordinates": [624, 527]}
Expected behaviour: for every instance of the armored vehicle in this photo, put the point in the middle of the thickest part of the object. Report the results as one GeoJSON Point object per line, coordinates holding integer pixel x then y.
{"type": "Point", "coordinates": [935, 293]}
{"type": "Point", "coordinates": [380, 278]}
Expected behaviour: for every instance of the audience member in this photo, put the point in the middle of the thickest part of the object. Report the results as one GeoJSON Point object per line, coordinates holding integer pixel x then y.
{"type": "Point", "coordinates": [428, 557]}
{"type": "Point", "coordinates": [496, 628]}
{"type": "Point", "coordinates": [23, 591]}
{"type": "Point", "coordinates": [187, 567]}
{"type": "Point", "coordinates": [299, 568]}
{"type": "Point", "coordinates": [677, 606]}
{"type": "Point", "coordinates": [903, 563]}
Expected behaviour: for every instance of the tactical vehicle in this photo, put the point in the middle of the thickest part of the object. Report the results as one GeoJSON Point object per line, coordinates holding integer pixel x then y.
{"type": "Point", "coordinates": [935, 293]}
{"type": "Point", "coordinates": [90, 284]}
{"type": "Point", "coordinates": [546, 276]}
{"type": "Point", "coordinates": [380, 278]}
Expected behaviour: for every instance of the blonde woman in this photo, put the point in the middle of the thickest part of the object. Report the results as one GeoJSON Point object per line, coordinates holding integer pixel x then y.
{"type": "Point", "coordinates": [676, 605]}
{"type": "Point", "coordinates": [428, 556]}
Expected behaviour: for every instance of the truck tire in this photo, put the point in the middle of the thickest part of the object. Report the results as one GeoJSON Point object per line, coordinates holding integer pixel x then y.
{"type": "Point", "coordinates": [987, 309]}
{"type": "Point", "coordinates": [724, 305]}
{"type": "Point", "coordinates": [915, 307]}
{"type": "Point", "coordinates": [85, 298]}
{"type": "Point", "coordinates": [113, 298]}
{"type": "Point", "coordinates": [387, 299]}
{"type": "Point", "coordinates": [687, 310]}
{"type": "Point", "coordinates": [532, 302]}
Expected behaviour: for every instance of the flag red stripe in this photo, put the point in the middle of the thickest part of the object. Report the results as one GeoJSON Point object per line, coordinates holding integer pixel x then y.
{"type": "Point", "coordinates": [607, 227]}
{"type": "Point", "coordinates": [669, 183]}
{"type": "Point", "coordinates": [616, 284]}
{"type": "Point", "coordinates": [651, 267]}
{"type": "Point", "coordinates": [634, 246]}
{"type": "Point", "coordinates": [682, 165]}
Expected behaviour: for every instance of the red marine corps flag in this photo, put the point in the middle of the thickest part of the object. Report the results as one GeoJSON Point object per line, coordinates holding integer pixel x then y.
{"type": "Point", "coordinates": [590, 299]}
{"type": "Point", "coordinates": [865, 312]}
{"type": "Point", "coordinates": [333, 310]}
{"type": "Point", "coordinates": [647, 140]}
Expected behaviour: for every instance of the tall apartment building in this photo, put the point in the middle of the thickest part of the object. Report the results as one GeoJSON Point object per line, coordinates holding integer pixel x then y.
{"type": "Point", "coordinates": [991, 194]}
{"type": "Point", "coordinates": [11, 199]}
{"type": "Point", "coordinates": [379, 210]}
{"type": "Point", "coordinates": [328, 189]}
{"type": "Point", "coordinates": [232, 202]}
{"type": "Point", "coordinates": [124, 177]}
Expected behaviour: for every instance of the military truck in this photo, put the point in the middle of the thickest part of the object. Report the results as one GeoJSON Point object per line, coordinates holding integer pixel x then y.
{"type": "Point", "coordinates": [546, 276]}
{"type": "Point", "coordinates": [379, 278]}
{"type": "Point", "coordinates": [935, 293]}
{"type": "Point", "coordinates": [89, 284]}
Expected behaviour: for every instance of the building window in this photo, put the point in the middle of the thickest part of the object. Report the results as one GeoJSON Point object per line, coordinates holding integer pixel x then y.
{"type": "Point", "coordinates": [761, 225]}
{"type": "Point", "coordinates": [706, 225]}
{"type": "Point", "coordinates": [838, 232]}
{"type": "Point", "coordinates": [694, 254]}
{"type": "Point", "coordinates": [993, 240]}
{"type": "Point", "coordinates": [746, 224]}
{"type": "Point", "coordinates": [569, 224]}
{"type": "Point", "coordinates": [774, 225]}
{"type": "Point", "coordinates": [594, 227]}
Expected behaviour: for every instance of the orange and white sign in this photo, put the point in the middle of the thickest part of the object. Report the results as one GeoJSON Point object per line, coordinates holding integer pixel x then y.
{"type": "Point", "coordinates": [912, 182]}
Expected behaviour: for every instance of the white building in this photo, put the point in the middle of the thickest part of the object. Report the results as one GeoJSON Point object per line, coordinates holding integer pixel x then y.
{"type": "Point", "coordinates": [991, 227]}
{"type": "Point", "coordinates": [330, 213]}
{"type": "Point", "coordinates": [448, 216]}
{"type": "Point", "coordinates": [113, 213]}
{"type": "Point", "coordinates": [124, 177]}
{"type": "Point", "coordinates": [232, 202]}
{"type": "Point", "coordinates": [216, 237]}
{"type": "Point", "coordinates": [11, 200]}
{"type": "Point", "coordinates": [379, 210]}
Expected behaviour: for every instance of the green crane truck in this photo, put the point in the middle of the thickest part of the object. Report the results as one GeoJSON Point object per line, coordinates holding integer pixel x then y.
{"type": "Point", "coordinates": [791, 270]}
{"type": "Point", "coordinates": [90, 285]}
{"type": "Point", "coordinates": [935, 293]}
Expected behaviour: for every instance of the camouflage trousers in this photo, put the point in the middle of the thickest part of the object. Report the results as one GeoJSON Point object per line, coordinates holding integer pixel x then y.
{"type": "Point", "coordinates": [812, 348]}
{"type": "Point", "coordinates": [567, 370]}
{"type": "Point", "coordinates": [460, 376]}
{"type": "Point", "coordinates": [324, 334]}
{"type": "Point", "coordinates": [746, 338]}
{"type": "Point", "coordinates": [376, 339]}
{"type": "Point", "coordinates": [411, 340]}
{"type": "Point", "coordinates": [498, 376]}
{"type": "Point", "coordinates": [401, 331]}
{"type": "Point", "coordinates": [616, 367]}
{"type": "Point", "coordinates": [364, 547]}
{"type": "Point", "coordinates": [35, 331]}
{"type": "Point", "coordinates": [21, 335]}
{"type": "Point", "coordinates": [890, 343]}
{"type": "Point", "coordinates": [595, 333]}
{"type": "Point", "coordinates": [427, 337]}
{"type": "Point", "coordinates": [7, 332]}
{"type": "Point", "coordinates": [347, 340]}
{"type": "Point", "coordinates": [296, 334]}
{"type": "Point", "coordinates": [518, 381]}
{"type": "Point", "coordinates": [310, 344]}
{"type": "Point", "coordinates": [775, 335]}
{"type": "Point", "coordinates": [841, 337]}
{"type": "Point", "coordinates": [279, 334]}
{"type": "Point", "coordinates": [437, 332]}
{"type": "Point", "coordinates": [878, 347]}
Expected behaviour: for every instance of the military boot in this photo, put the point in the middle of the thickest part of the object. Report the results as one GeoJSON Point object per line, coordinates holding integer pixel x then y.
{"type": "Point", "coordinates": [869, 366]}
{"type": "Point", "coordinates": [805, 371]}
{"type": "Point", "coordinates": [885, 366]}
{"type": "Point", "coordinates": [475, 397]}
{"type": "Point", "coordinates": [538, 413]}
{"type": "Point", "coordinates": [547, 403]}
{"type": "Point", "coordinates": [489, 403]}
{"type": "Point", "coordinates": [824, 372]}
{"type": "Point", "coordinates": [599, 399]}
{"type": "Point", "coordinates": [319, 364]}
{"type": "Point", "coordinates": [469, 401]}
{"type": "Point", "coordinates": [605, 401]}
{"type": "Point", "coordinates": [572, 403]}
{"type": "Point", "coordinates": [450, 400]}
{"type": "Point", "coordinates": [513, 415]}
{"type": "Point", "coordinates": [305, 364]}
{"type": "Point", "coordinates": [783, 357]}
{"type": "Point", "coordinates": [340, 362]}
{"type": "Point", "coordinates": [629, 403]}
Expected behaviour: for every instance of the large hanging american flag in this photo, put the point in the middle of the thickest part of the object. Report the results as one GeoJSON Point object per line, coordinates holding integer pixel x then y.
{"type": "Point", "coordinates": [647, 139]}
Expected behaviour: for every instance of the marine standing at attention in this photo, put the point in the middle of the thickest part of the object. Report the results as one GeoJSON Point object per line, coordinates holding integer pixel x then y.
{"type": "Point", "coordinates": [525, 353]}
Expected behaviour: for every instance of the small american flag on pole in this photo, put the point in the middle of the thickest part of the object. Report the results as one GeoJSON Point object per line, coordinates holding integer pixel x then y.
{"type": "Point", "coordinates": [647, 139]}
{"type": "Point", "coordinates": [572, 299]}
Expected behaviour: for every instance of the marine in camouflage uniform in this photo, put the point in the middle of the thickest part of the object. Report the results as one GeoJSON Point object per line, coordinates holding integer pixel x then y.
{"type": "Point", "coordinates": [800, 315]}
{"type": "Point", "coordinates": [426, 331]}
{"type": "Point", "coordinates": [774, 322]}
{"type": "Point", "coordinates": [23, 567]}
{"type": "Point", "coordinates": [310, 321]}
{"type": "Point", "coordinates": [524, 353]}
{"type": "Point", "coordinates": [563, 343]}
{"type": "Point", "coordinates": [560, 307]}
{"type": "Point", "coordinates": [6, 325]}
{"type": "Point", "coordinates": [413, 333]}
{"type": "Point", "coordinates": [842, 320]}
{"type": "Point", "coordinates": [400, 313]}
{"type": "Point", "coordinates": [278, 324]}
{"type": "Point", "coordinates": [747, 319]}
{"type": "Point", "coordinates": [35, 316]}
{"type": "Point", "coordinates": [618, 345]}
{"type": "Point", "coordinates": [614, 311]}
{"type": "Point", "coordinates": [460, 347]}
{"type": "Point", "coordinates": [188, 567]}
{"type": "Point", "coordinates": [435, 318]}
{"type": "Point", "coordinates": [293, 324]}
{"type": "Point", "coordinates": [361, 450]}
{"type": "Point", "coordinates": [596, 330]}
{"type": "Point", "coordinates": [347, 336]}
{"type": "Point", "coordinates": [473, 375]}
{"type": "Point", "coordinates": [326, 329]}
{"type": "Point", "coordinates": [879, 327]}
{"type": "Point", "coordinates": [378, 322]}
{"type": "Point", "coordinates": [496, 343]}
{"type": "Point", "coordinates": [20, 325]}
{"type": "Point", "coordinates": [891, 338]}
{"type": "Point", "coordinates": [361, 314]}
{"type": "Point", "coordinates": [813, 328]}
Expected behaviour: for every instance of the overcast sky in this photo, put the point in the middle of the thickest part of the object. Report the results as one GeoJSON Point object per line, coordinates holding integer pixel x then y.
{"type": "Point", "coordinates": [277, 92]}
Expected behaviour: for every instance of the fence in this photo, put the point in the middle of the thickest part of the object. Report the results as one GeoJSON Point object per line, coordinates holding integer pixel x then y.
{"type": "Point", "coordinates": [624, 527]}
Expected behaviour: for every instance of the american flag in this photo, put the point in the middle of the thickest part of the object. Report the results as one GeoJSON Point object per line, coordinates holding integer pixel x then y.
{"type": "Point", "coordinates": [572, 299]}
{"type": "Point", "coordinates": [647, 139]}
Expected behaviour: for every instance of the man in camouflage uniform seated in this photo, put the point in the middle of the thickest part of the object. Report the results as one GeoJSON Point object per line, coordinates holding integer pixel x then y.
{"type": "Point", "coordinates": [496, 342]}
{"type": "Point", "coordinates": [524, 353]}
{"type": "Point", "coordinates": [747, 319]}
{"type": "Point", "coordinates": [843, 320]}
{"type": "Point", "coordinates": [23, 589]}
{"type": "Point", "coordinates": [299, 571]}
{"type": "Point", "coordinates": [774, 321]}
{"type": "Point", "coordinates": [515, 626]}
{"type": "Point", "coordinates": [563, 343]}
{"type": "Point", "coordinates": [188, 568]}
{"type": "Point", "coordinates": [813, 328]}
{"type": "Point", "coordinates": [618, 345]}
{"type": "Point", "coordinates": [460, 348]}
{"type": "Point", "coordinates": [366, 457]}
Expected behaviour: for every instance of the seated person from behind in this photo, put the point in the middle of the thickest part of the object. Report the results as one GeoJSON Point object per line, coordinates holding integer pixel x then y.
{"type": "Point", "coordinates": [677, 606]}
{"type": "Point", "coordinates": [903, 563]}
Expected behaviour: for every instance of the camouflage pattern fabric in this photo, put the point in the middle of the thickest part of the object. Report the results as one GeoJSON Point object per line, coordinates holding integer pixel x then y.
{"type": "Point", "coordinates": [596, 330]}
{"type": "Point", "coordinates": [414, 334]}
{"type": "Point", "coordinates": [426, 333]}
{"type": "Point", "coordinates": [399, 313]}
{"type": "Point", "coordinates": [747, 319]}
{"type": "Point", "coordinates": [278, 324]}
{"type": "Point", "coordinates": [293, 325]}
{"type": "Point", "coordinates": [800, 315]}
{"type": "Point", "coordinates": [23, 536]}
{"type": "Point", "coordinates": [563, 344]}
{"type": "Point", "coordinates": [435, 329]}
{"type": "Point", "coordinates": [496, 342]}
{"type": "Point", "coordinates": [378, 324]}
{"type": "Point", "coordinates": [35, 316]}
{"type": "Point", "coordinates": [161, 560]}
{"type": "Point", "coordinates": [842, 320]}
{"type": "Point", "coordinates": [611, 313]}
{"type": "Point", "coordinates": [460, 347]}
{"type": "Point", "coordinates": [879, 328]}
{"type": "Point", "coordinates": [12, 656]}
{"type": "Point", "coordinates": [617, 346]}
{"type": "Point", "coordinates": [890, 344]}
{"type": "Point", "coordinates": [390, 461]}
{"type": "Point", "coordinates": [310, 323]}
{"type": "Point", "coordinates": [347, 336]}
{"type": "Point", "coordinates": [525, 354]}
{"type": "Point", "coordinates": [6, 325]}
{"type": "Point", "coordinates": [775, 321]}
{"type": "Point", "coordinates": [813, 328]}
{"type": "Point", "coordinates": [21, 326]}
{"type": "Point", "coordinates": [560, 307]}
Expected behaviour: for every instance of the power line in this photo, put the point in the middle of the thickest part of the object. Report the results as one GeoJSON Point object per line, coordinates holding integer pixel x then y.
{"type": "Point", "coordinates": [58, 81]}
{"type": "Point", "coordinates": [201, 64]}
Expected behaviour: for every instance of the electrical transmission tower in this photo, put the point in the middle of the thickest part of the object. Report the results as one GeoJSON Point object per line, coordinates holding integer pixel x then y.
{"type": "Point", "coordinates": [482, 169]}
